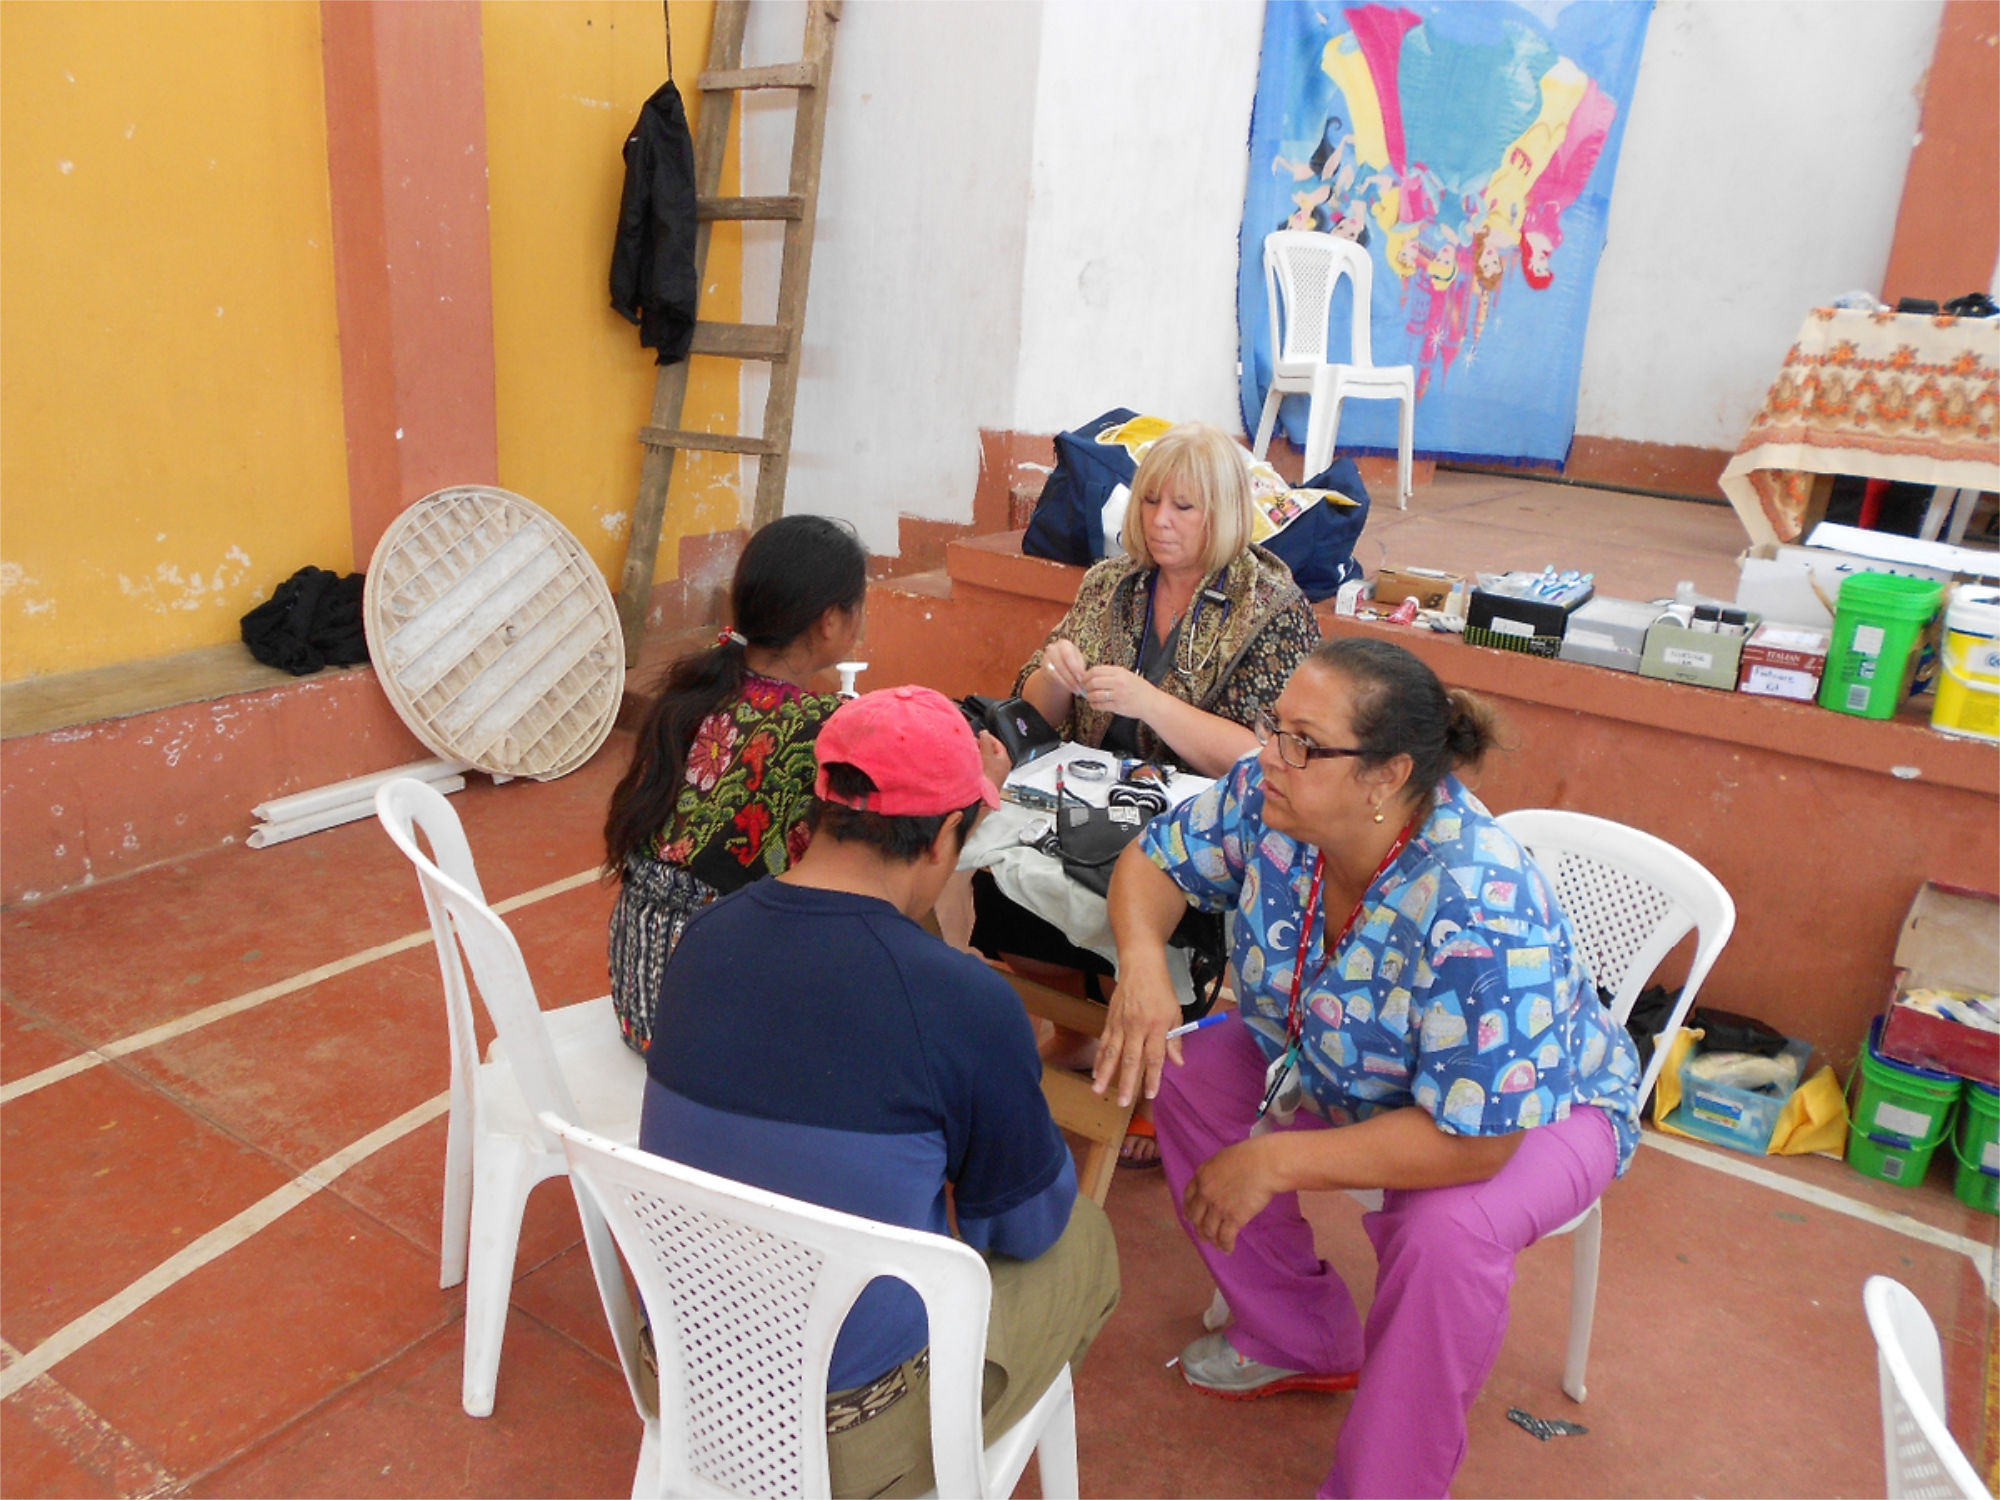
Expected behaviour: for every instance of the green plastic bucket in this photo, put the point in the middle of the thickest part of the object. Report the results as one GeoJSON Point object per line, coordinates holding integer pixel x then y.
{"type": "Point", "coordinates": [1876, 626]}
{"type": "Point", "coordinates": [1976, 1144]}
{"type": "Point", "coordinates": [1902, 1115]}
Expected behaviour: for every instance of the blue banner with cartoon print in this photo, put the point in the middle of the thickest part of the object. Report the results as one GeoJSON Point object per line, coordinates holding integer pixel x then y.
{"type": "Point", "coordinates": [1469, 146]}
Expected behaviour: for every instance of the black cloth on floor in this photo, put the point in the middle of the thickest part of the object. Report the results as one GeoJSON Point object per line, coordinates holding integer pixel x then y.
{"type": "Point", "coordinates": [312, 621]}
{"type": "Point", "coordinates": [653, 280]}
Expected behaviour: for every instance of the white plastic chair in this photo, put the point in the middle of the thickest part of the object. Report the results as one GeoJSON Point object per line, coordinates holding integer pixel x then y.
{"type": "Point", "coordinates": [1301, 269]}
{"type": "Point", "coordinates": [1919, 1456]}
{"type": "Point", "coordinates": [745, 1291]}
{"type": "Point", "coordinates": [570, 1060]}
{"type": "Point", "coordinates": [1631, 897]}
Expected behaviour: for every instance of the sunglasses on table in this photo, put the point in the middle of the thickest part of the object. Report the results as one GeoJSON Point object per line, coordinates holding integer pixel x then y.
{"type": "Point", "coordinates": [1295, 750]}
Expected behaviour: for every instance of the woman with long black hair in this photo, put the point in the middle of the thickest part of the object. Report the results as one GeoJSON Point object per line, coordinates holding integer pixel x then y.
{"type": "Point", "coordinates": [721, 781]}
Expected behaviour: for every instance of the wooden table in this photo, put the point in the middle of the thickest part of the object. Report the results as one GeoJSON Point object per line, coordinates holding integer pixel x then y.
{"type": "Point", "coordinates": [1898, 396]}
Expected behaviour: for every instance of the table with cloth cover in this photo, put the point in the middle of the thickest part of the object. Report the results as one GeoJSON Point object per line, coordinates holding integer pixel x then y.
{"type": "Point", "coordinates": [1898, 396]}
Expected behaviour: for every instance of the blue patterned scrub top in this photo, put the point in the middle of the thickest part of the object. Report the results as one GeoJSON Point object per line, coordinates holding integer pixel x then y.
{"type": "Point", "coordinates": [1460, 989]}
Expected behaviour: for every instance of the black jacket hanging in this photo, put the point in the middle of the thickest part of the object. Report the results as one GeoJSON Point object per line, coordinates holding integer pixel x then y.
{"type": "Point", "coordinates": [653, 280]}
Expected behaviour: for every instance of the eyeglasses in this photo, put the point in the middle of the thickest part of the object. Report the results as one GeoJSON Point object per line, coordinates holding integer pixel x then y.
{"type": "Point", "coordinates": [1295, 750]}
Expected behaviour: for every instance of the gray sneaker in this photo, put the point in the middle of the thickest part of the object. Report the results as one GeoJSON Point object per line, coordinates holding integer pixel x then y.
{"type": "Point", "coordinates": [1211, 1365]}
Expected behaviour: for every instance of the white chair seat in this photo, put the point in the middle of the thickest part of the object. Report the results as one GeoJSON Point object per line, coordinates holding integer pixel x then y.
{"type": "Point", "coordinates": [605, 1077]}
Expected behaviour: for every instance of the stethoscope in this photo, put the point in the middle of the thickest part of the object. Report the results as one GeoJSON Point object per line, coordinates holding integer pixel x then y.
{"type": "Point", "coordinates": [1184, 664]}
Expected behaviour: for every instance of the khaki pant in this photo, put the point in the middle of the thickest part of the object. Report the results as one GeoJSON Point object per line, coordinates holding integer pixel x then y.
{"type": "Point", "coordinates": [1045, 1313]}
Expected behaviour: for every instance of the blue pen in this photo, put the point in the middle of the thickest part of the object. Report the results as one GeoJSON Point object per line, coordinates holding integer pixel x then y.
{"type": "Point", "coordinates": [1215, 1020]}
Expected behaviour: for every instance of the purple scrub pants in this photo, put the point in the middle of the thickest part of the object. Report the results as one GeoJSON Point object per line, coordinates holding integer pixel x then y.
{"type": "Point", "coordinates": [1446, 1266]}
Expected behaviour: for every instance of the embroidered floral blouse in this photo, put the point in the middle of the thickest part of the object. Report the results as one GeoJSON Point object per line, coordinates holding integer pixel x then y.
{"type": "Point", "coordinates": [748, 789]}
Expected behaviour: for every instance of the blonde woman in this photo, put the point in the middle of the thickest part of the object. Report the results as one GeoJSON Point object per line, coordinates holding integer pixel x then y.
{"type": "Point", "coordinates": [1171, 651]}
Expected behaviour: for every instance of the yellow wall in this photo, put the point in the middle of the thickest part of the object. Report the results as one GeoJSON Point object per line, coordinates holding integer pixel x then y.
{"type": "Point", "coordinates": [171, 442]}
{"type": "Point", "coordinates": [564, 81]}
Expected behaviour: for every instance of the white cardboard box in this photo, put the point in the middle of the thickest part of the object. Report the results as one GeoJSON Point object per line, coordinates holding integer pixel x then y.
{"type": "Point", "coordinates": [1799, 585]}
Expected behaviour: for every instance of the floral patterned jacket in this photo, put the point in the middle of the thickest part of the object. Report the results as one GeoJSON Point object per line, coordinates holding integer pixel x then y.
{"type": "Point", "coordinates": [1241, 656]}
{"type": "Point", "coordinates": [748, 789]}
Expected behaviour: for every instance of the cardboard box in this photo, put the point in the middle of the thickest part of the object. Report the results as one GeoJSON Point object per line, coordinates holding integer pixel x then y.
{"type": "Point", "coordinates": [1510, 621]}
{"type": "Point", "coordinates": [1796, 585]}
{"type": "Point", "coordinates": [1428, 586]}
{"type": "Point", "coordinates": [1609, 633]}
{"type": "Point", "coordinates": [1899, 552]}
{"type": "Point", "coordinates": [1950, 940]}
{"type": "Point", "coordinates": [1704, 658]}
{"type": "Point", "coordinates": [1783, 661]}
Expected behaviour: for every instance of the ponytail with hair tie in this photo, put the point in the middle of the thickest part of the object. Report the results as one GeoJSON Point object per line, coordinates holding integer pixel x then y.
{"type": "Point", "coordinates": [730, 638]}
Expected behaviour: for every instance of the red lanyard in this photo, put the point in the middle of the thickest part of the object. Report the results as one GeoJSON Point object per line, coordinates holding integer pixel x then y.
{"type": "Point", "coordinates": [1295, 1011]}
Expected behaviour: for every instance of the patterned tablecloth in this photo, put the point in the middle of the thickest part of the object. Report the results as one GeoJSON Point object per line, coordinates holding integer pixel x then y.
{"type": "Point", "coordinates": [1884, 395]}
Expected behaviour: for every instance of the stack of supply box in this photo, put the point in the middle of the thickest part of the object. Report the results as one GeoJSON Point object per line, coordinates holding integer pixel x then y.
{"type": "Point", "coordinates": [1930, 1072]}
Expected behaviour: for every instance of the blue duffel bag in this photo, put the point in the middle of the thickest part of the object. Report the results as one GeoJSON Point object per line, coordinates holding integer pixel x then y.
{"type": "Point", "coordinates": [1097, 460]}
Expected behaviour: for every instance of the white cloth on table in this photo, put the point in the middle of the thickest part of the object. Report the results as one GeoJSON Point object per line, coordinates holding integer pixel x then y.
{"type": "Point", "coordinates": [1003, 843]}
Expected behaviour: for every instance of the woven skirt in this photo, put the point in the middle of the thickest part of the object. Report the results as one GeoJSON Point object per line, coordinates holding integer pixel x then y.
{"type": "Point", "coordinates": [655, 903]}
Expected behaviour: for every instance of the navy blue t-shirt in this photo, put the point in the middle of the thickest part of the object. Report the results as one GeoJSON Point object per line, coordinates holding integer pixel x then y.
{"type": "Point", "coordinates": [824, 1046]}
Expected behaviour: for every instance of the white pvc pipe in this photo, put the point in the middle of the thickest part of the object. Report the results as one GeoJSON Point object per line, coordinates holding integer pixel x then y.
{"type": "Point", "coordinates": [266, 834]}
{"type": "Point", "coordinates": [359, 789]}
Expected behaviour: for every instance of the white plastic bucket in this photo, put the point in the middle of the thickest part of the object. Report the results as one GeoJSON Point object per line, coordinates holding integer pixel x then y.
{"type": "Point", "coordinates": [1968, 690]}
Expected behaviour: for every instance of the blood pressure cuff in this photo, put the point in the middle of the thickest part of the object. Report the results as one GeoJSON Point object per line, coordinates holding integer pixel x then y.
{"type": "Point", "coordinates": [1014, 722]}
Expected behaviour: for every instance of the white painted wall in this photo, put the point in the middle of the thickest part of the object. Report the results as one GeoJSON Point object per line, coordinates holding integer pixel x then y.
{"type": "Point", "coordinates": [914, 318]}
{"type": "Point", "coordinates": [1142, 113]}
{"type": "Point", "coordinates": [1761, 173]}
{"type": "Point", "coordinates": [1030, 212]}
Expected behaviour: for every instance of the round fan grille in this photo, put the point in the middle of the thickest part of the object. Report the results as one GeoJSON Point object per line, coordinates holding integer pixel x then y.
{"type": "Point", "coordinates": [494, 634]}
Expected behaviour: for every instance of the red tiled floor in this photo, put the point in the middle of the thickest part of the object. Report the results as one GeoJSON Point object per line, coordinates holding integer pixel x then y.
{"type": "Point", "coordinates": [310, 1073]}
{"type": "Point", "coordinates": [101, 1161]}
{"type": "Point", "coordinates": [563, 1425]}
{"type": "Point", "coordinates": [143, 950]}
{"type": "Point", "coordinates": [402, 1185]}
{"type": "Point", "coordinates": [1692, 1337]}
{"type": "Point", "coordinates": [248, 1342]}
{"type": "Point", "coordinates": [28, 1045]}
{"type": "Point", "coordinates": [52, 1444]}
{"type": "Point", "coordinates": [34, 1462]}
{"type": "Point", "coordinates": [562, 1294]}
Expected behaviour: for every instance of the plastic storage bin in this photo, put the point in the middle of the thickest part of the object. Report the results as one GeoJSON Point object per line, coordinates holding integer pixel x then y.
{"type": "Point", "coordinates": [1877, 625]}
{"type": "Point", "coordinates": [1743, 1118]}
{"type": "Point", "coordinates": [1968, 689]}
{"type": "Point", "coordinates": [1976, 1144]}
{"type": "Point", "coordinates": [1902, 1115]}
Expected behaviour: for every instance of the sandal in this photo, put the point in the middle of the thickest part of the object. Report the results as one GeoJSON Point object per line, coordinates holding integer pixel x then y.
{"type": "Point", "coordinates": [1139, 1128]}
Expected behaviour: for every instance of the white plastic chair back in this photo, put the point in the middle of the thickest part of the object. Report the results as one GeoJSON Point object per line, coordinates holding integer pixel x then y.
{"type": "Point", "coordinates": [1302, 267]}
{"type": "Point", "coordinates": [1919, 1455]}
{"type": "Point", "coordinates": [1631, 898]}
{"type": "Point", "coordinates": [745, 1291]}
{"type": "Point", "coordinates": [457, 907]}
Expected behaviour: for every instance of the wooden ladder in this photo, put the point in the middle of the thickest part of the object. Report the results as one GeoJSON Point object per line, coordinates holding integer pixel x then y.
{"type": "Point", "coordinates": [777, 342]}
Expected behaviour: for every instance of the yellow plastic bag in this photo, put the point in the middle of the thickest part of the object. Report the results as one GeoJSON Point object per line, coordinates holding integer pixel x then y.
{"type": "Point", "coordinates": [1814, 1119]}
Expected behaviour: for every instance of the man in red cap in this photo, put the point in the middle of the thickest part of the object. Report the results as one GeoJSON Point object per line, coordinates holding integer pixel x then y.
{"type": "Point", "coordinates": [812, 1039]}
